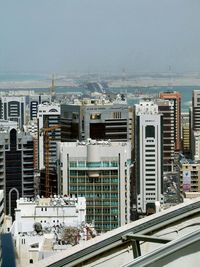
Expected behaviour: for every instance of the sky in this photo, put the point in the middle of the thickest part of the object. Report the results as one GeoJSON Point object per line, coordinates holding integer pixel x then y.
{"type": "Point", "coordinates": [101, 36]}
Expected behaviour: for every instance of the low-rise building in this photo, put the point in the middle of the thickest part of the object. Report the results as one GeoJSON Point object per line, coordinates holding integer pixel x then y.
{"type": "Point", "coordinates": [190, 177]}
{"type": "Point", "coordinates": [44, 226]}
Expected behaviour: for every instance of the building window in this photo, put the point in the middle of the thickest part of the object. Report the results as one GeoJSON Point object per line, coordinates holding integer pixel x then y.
{"type": "Point", "coordinates": [95, 116]}
{"type": "Point", "coordinates": [150, 131]}
{"type": "Point", "coordinates": [73, 164]}
{"type": "Point", "coordinates": [116, 115]}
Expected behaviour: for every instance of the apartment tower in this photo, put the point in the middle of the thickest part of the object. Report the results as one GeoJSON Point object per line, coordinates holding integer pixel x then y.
{"type": "Point", "coordinates": [149, 156]}
{"type": "Point", "coordinates": [176, 98]}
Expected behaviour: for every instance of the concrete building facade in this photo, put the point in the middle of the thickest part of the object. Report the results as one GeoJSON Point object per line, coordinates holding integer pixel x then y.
{"type": "Point", "coordinates": [100, 171]}
{"type": "Point", "coordinates": [40, 223]}
{"type": "Point", "coordinates": [16, 165]}
{"type": "Point", "coordinates": [13, 108]}
{"type": "Point", "coordinates": [35, 100]}
{"type": "Point", "coordinates": [166, 108]}
{"type": "Point", "coordinates": [99, 119]}
{"type": "Point", "coordinates": [48, 116]}
{"type": "Point", "coordinates": [190, 177]}
{"type": "Point", "coordinates": [196, 110]}
{"type": "Point", "coordinates": [176, 98]}
{"type": "Point", "coordinates": [149, 156]}
{"type": "Point", "coordinates": [185, 126]}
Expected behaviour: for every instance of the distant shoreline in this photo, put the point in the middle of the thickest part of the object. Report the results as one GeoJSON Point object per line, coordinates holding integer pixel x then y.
{"type": "Point", "coordinates": [136, 82]}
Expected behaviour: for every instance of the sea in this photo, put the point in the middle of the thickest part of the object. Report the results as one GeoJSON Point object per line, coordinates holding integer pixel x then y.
{"type": "Point", "coordinates": [186, 91]}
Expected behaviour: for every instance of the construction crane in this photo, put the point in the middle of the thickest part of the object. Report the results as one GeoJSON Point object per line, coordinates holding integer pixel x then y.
{"type": "Point", "coordinates": [47, 138]}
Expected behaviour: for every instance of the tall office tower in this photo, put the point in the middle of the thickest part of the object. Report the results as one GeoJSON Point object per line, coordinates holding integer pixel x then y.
{"type": "Point", "coordinates": [185, 126]}
{"type": "Point", "coordinates": [176, 97]}
{"type": "Point", "coordinates": [32, 128]}
{"type": "Point", "coordinates": [195, 124]}
{"type": "Point", "coordinates": [195, 145]}
{"type": "Point", "coordinates": [195, 110]}
{"type": "Point", "coordinates": [16, 164]}
{"type": "Point", "coordinates": [48, 118]}
{"type": "Point", "coordinates": [131, 114]}
{"type": "Point", "coordinates": [149, 156]}
{"type": "Point", "coordinates": [99, 119]}
{"type": "Point", "coordinates": [100, 171]}
{"type": "Point", "coordinates": [166, 108]}
{"type": "Point", "coordinates": [12, 108]}
{"type": "Point", "coordinates": [34, 101]}
{"type": "Point", "coordinates": [48, 135]}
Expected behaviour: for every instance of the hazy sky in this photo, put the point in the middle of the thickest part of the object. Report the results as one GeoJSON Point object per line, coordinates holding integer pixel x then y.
{"type": "Point", "coordinates": [99, 35]}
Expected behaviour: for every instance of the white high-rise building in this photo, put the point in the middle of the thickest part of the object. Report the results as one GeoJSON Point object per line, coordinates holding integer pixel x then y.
{"type": "Point", "coordinates": [100, 171]}
{"type": "Point", "coordinates": [149, 156]}
{"type": "Point", "coordinates": [48, 117]}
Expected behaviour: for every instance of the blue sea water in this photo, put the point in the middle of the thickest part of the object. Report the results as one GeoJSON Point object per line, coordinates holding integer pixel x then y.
{"type": "Point", "coordinates": [186, 93]}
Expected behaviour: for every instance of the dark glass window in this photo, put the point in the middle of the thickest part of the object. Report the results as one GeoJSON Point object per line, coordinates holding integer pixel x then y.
{"type": "Point", "coordinates": [150, 131]}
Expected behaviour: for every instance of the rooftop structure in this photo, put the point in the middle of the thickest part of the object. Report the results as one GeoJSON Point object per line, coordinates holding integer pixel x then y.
{"type": "Point", "coordinates": [44, 226]}
{"type": "Point", "coordinates": [168, 238]}
{"type": "Point", "coordinates": [49, 212]}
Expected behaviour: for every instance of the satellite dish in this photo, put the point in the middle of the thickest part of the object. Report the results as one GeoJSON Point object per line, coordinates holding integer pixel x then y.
{"type": "Point", "coordinates": [37, 227]}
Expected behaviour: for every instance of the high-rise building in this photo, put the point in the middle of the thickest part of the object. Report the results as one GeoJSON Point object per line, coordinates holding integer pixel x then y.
{"type": "Point", "coordinates": [16, 165]}
{"type": "Point", "coordinates": [100, 171]}
{"type": "Point", "coordinates": [12, 108]}
{"type": "Point", "coordinates": [149, 156]}
{"type": "Point", "coordinates": [99, 119]}
{"type": "Point", "coordinates": [48, 118]}
{"type": "Point", "coordinates": [176, 97]}
{"type": "Point", "coordinates": [34, 101]}
{"type": "Point", "coordinates": [48, 135]}
{"type": "Point", "coordinates": [194, 117]}
{"type": "Point", "coordinates": [185, 125]}
{"type": "Point", "coordinates": [166, 108]}
{"type": "Point", "coordinates": [195, 110]}
{"type": "Point", "coordinates": [195, 145]}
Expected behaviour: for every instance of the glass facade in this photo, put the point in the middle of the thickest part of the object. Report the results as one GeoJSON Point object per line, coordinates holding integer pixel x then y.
{"type": "Point", "coordinates": [101, 192]}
